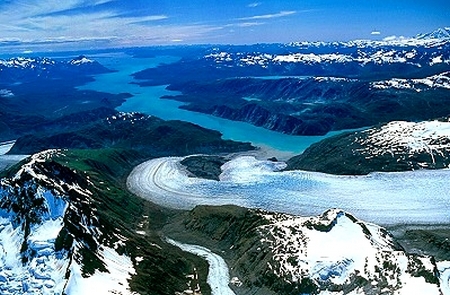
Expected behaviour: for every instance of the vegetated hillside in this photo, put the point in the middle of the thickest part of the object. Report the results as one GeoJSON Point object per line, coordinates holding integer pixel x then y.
{"type": "Point", "coordinates": [69, 224]}
{"type": "Point", "coordinates": [36, 91]}
{"type": "Point", "coordinates": [204, 166]}
{"type": "Point", "coordinates": [149, 135]}
{"type": "Point", "coordinates": [395, 146]}
{"type": "Point", "coordinates": [317, 105]}
{"type": "Point", "coordinates": [270, 253]}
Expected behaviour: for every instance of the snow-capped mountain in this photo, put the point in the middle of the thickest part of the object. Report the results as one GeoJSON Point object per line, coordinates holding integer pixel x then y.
{"type": "Point", "coordinates": [336, 253]}
{"type": "Point", "coordinates": [80, 61]}
{"type": "Point", "coordinates": [48, 232]}
{"type": "Point", "coordinates": [441, 80]}
{"type": "Point", "coordinates": [46, 67]}
{"type": "Point", "coordinates": [41, 62]}
{"type": "Point", "coordinates": [24, 62]}
{"type": "Point", "coordinates": [376, 55]}
{"type": "Point", "coordinates": [426, 49]}
{"type": "Point", "coordinates": [440, 33]}
{"type": "Point", "coordinates": [394, 146]}
{"type": "Point", "coordinates": [408, 140]}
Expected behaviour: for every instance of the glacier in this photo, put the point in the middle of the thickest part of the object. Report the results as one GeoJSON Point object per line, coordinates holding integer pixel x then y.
{"type": "Point", "coordinates": [386, 198]}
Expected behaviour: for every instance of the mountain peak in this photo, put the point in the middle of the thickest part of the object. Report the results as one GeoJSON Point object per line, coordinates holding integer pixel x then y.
{"type": "Point", "coordinates": [336, 249]}
{"type": "Point", "coordinates": [440, 33]}
{"type": "Point", "coordinates": [81, 60]}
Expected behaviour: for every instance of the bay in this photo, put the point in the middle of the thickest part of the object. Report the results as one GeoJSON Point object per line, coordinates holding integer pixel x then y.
{"type": "Point", "coordinates": [148, 100]}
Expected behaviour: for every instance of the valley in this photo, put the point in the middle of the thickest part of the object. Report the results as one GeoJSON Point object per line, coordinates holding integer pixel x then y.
{"type": "Point", "coordinates": [144, 162]}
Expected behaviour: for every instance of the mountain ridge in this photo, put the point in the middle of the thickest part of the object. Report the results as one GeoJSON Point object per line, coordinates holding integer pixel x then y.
{"type": "Point", "coordinates": [276, 253]}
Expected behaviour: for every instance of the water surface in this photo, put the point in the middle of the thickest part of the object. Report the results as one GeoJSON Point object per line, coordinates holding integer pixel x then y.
{"type": "Point", "coordinates": [147, 100]}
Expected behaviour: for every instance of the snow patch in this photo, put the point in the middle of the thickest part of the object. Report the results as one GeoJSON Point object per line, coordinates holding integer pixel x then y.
{"type": "Point", "coordinates": [115, 281]}
{"type": "Point", "coordinates": [335, 248]}
{"type": "Point", "coordinates": [441, 80]}
{"type": "Point", "coordinates": [432, 137]}
{"type": "Point", "coordinates": [444, 278]}
{"type": "Point", "coordinates": [6, 93]}
{"type": "Point", "coordinates": [80, 61]}
{"type": "Point", "coordinates": [44, 271]}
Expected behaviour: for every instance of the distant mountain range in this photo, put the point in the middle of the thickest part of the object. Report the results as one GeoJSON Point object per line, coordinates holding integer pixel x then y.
{"type": "Point", "coordinates": [16, 68]}
{"type": "Point", "coordinates": [311, 88]}
{"type": "Point", "coordinates": [440, 33]}
{"type": "Point", "coordinates": [68, 225]}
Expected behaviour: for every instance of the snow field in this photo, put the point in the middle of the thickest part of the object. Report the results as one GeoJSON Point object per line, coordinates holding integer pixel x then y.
{"type": "Point", "coordinates": [30, 264]}
{"type": "Point", "coordinates": [337, 254]}
{"type": "Point", "coordinates": [44, 272]}
{"type": "Point", "coordinates": [120, 268]}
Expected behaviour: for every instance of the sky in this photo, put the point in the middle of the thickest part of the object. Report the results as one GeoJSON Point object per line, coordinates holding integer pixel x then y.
{"type": "Point", "coordinates": [122, 23]}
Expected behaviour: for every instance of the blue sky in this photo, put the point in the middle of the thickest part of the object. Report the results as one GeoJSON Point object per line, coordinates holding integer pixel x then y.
{"type": "Point", "coordinates": [117, 23]}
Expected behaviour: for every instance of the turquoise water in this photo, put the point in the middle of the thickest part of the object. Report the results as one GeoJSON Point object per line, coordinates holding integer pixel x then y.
{"type": "Point", "coordinates": [147, 100]}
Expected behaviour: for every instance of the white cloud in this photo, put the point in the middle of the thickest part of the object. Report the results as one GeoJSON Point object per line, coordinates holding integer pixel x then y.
{"type": "Point", "coordinates": [254, 4]}
{"type": "Point", "coordinates": [249, 24]}
{"type": "Point", "coordinates": [41, 22]}
{"type": "Point", "coordinates": [375, 33]}
{"type": "Point", "coordinates": [148, 18]}
{"type": "Point", "coordinates": [46, 22]}
{"type": "Point", "coordinates": [394, 38]}
{"type": "Point", "coordinates": [269, 16]}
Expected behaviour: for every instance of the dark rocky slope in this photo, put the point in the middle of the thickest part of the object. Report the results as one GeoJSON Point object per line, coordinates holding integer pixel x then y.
{"type": "Point", "coordinates": [269, 253]}
{"type": "Point", "coordinates": [98, 213]}
{"type": "Point", "coordinates": [147, 134]}
{"type": "Point", "coordinates": [396, 146]}
{"type": "Point", "coordinates": [315, 106]}
{"type": "Point", "coordinates": [36, 92]}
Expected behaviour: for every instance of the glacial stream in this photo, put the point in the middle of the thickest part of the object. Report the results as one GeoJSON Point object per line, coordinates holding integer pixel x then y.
{"type": "Point", "coordinates": [218, 276]}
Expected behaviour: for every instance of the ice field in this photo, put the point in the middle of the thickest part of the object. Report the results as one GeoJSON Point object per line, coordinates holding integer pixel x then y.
{"type": "Point", "coordinates": [415, 197]}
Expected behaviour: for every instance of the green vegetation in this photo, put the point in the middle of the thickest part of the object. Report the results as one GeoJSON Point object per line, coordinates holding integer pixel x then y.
{"type": "Point", "coordinates": [207, 167]}
{"type": "Point", "coordinates": [164, 268]}
{"type": "Point", "coordinates": [137, 132]}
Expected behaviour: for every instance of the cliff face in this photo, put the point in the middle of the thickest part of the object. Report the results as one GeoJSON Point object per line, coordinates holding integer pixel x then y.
{"type": "Point", "coordinates": [335, 252]}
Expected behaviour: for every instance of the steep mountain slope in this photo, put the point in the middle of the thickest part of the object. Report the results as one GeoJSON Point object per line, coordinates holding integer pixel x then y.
{"type": "Point", "coordinates": [395, 146]}
{"type": "Point", "coordinates": [440, 33]}
{"type": "Point", "coordinates": [73, 231]}
{"type": "Point", "coordinates": [69, 224]}
{"type": "Point", "coordinates": [316, 105]}
{"type": "Point", "coordinates": [334, 253]}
